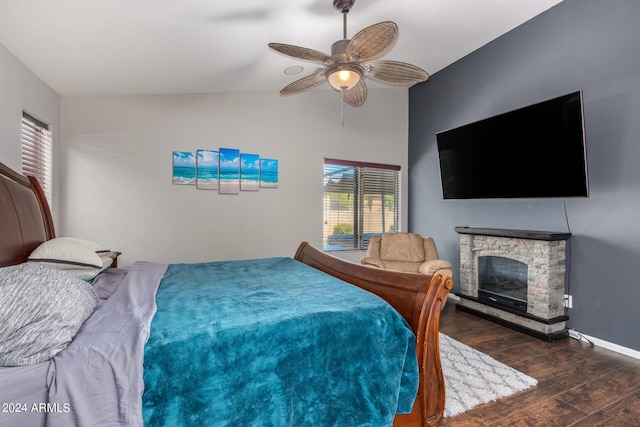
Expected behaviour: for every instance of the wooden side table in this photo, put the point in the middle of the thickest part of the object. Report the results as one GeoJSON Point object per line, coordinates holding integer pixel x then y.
{"type": "Point", "coordinates": [114, 256]}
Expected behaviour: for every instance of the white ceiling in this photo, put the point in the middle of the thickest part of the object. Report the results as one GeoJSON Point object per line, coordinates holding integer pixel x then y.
{"type": "Point", "coordinates": [117, 47]}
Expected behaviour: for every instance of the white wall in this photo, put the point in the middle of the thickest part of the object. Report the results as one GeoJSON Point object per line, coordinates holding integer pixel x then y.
{"type": "Point", "coordinates": [20, 90]}
{"type": "Point", "coordinates": [117, 169]}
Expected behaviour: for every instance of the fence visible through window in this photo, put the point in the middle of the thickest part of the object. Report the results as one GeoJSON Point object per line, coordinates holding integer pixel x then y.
{"type": "Point", "coordinates": [361, 200]}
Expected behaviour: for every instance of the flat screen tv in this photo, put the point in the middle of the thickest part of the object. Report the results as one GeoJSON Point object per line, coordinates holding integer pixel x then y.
{"type": "Point", "coordinates": [536, 151]}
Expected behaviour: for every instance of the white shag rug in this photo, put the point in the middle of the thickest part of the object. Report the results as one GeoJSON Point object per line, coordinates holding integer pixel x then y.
{"type": "Point", "coordinates": [472, 377]}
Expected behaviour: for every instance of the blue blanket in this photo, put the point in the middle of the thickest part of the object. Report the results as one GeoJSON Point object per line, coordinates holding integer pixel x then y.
{"type": "Point", "coordinates": [274, 342]}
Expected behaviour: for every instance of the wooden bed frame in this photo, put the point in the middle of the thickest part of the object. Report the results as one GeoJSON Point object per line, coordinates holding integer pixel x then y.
{"type": "Point", "coordinates": [26, 221]}
{"type": "Point", "coordinates": [419, 299]}
{"type": "Point", "coordinates": [25, 218]}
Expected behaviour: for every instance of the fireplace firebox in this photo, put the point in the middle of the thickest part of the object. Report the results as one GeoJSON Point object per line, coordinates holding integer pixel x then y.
{"type": "Point", "coordinates": [503, 281]}
{"type": "Point", "coordinates": [515, 278]}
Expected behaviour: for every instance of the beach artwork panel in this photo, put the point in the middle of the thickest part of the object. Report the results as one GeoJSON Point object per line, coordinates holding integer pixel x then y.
{"type": "Point", "coordinates": [229, 171]}
{"type": "Point", "coordinates": [249, 172]}
{"type": "Point", "coordinates": [184, 168]}
{"type": "Point", "coordinates": [268, 173]}
{"type": "Point", "coordinates": [207, 170]}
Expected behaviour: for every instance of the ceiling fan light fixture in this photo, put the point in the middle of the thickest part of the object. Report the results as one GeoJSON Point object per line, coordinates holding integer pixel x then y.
{"type": "Point", "coordinates": [352, 61]}
{"type": "Point", "coordinates": [344, 76]}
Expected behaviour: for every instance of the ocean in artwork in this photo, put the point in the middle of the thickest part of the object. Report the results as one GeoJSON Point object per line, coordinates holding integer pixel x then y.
{"type": "Point", "coordinates": [249, 172]}
{"type": "Point", "coordinates": [268, 173]}
{"type": "Point", "coordinates": [207, 170]}
{"type": "Point", "coordinates": [229, 171]}
{"type": "Point", "coordinates": [184, 168]}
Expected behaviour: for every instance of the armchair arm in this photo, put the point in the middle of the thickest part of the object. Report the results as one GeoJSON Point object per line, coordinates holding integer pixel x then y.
{"type": "Point", "coordinates": [372, 261]}
{"type": "Point", "coordinates": [432, 266]}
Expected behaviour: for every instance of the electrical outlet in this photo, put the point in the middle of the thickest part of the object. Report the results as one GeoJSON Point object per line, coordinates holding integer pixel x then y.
{"type": "Point", "coordinates": [574, 334]}
{"type": "Point", "coordinates": [568, 301]}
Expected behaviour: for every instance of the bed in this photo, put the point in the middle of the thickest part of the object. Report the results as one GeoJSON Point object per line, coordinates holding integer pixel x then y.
{"type": "Point", "coordinates": [293, 342]}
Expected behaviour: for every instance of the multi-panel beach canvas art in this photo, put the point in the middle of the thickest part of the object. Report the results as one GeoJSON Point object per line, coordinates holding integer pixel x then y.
{"type": "Point", "coordinates": [268, 173]}
{"type": "Point", "coordinates": [249, 172]}
{"type": "Point", "coordinates": [184, 168]}
{"type": "Point", "coordinates": [227, 170]}
{"type": "Point", "coordinates": [207, 170]}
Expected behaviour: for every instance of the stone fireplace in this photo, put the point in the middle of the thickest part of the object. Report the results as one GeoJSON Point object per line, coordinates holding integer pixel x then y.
{"type": "Point", "coordinates": [515, 278]}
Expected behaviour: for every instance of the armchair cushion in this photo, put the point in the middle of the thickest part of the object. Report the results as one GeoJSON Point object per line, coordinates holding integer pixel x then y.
{"type": "Point", "coordinates": [405, 247]}
{"type": "Point", "coordinates": [432, 266]}
{"type": "Point", "coordinates": [430, 251]}
{"type": "Point", "coordinates": [409, 252]}
{"type": "Point", "coordinates": [375, 261]}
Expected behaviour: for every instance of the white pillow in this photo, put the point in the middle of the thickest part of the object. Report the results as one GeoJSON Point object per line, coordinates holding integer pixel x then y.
{"type": "Point", "coordinates": [69, 253]}
{"type": "Point", "coordinates": [96, 247]}
{"type": "Point", "coordinates": [90, 273]}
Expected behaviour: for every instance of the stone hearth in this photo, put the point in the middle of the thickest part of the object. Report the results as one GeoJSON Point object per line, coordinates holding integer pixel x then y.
{"type": "Point", "coordinates": [544, 254]}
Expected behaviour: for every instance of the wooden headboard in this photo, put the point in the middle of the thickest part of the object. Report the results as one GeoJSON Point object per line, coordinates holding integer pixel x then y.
{"type": "Point", "coordinates": [25, 218]}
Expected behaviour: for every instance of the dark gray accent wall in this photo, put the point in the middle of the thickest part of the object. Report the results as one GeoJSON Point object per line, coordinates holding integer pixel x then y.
{"type": "Point", "coordinates": [587, 45]}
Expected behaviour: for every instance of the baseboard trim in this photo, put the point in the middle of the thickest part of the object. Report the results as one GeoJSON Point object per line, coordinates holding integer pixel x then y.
{"type": "Point", "coordinates": [611, 346]}
{"type": "Point", "coordinates": [453, 297]}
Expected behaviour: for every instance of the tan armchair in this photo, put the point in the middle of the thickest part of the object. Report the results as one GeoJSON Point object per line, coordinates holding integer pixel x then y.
{"type": "Point", "coordinates": [408, 252]}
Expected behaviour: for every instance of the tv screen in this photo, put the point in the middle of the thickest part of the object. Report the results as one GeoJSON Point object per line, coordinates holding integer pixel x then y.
{"type": "Point", "coordinates": [535, 151]}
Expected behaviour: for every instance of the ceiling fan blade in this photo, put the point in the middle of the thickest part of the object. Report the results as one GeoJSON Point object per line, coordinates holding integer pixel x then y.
{"type": "Point", "coordinates": [356, 95]}
{"type": "Point", "coordinates": [302, 53]}
{"type": "Point", "coordinates": [394, 72]}
{"type": "Point", "coordinates": [304, 83]}
{"type": "Point", "coordinates": [372, 41]}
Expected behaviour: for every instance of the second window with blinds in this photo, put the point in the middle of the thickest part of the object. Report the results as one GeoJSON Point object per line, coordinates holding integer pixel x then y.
{"type": "Point", "coordinates": [361, 200]}
{"type": "Point", "coordinates": [36, 152]}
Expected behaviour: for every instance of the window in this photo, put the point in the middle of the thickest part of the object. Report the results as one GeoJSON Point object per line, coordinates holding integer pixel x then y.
{"type": "Point", "coordinates": [36, 152]}
{"type": "Point", "coordinates": [360, 200]}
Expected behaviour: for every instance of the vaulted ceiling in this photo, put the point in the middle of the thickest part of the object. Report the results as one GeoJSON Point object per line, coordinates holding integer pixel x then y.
{"type": "Point", "coordinates": [116, 47]}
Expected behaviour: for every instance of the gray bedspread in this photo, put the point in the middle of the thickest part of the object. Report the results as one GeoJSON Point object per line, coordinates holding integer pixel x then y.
{"type": "Point", "coordinates": [97, 380]}
{"type": "Point", "coordinates": [24, 390]}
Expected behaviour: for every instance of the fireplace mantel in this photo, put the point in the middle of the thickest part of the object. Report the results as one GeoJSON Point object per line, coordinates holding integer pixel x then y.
{"type": "Point", "coordinates": [549, 236]}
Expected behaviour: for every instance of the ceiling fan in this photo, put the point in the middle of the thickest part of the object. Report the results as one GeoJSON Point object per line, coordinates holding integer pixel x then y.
{"type": "Point", "coordinates": [352, 60]}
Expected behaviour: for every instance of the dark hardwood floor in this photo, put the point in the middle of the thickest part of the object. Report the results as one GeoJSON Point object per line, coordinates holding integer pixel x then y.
{"type": "Point", "coordinates": [578, 385]}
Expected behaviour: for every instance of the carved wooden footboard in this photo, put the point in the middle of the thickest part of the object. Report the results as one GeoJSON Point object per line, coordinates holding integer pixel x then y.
{"type": "Point", "coordinates": [419, 299]}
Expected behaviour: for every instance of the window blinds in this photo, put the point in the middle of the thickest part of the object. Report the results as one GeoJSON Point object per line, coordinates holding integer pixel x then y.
{"type": "Point", "coordinates": [360, 200]}
{"type": "Point", "coordinates": [36, 152]}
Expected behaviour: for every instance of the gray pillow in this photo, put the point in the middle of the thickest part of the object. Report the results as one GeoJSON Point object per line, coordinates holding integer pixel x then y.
{"type": "Point", "coordinates": [41, 310]}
